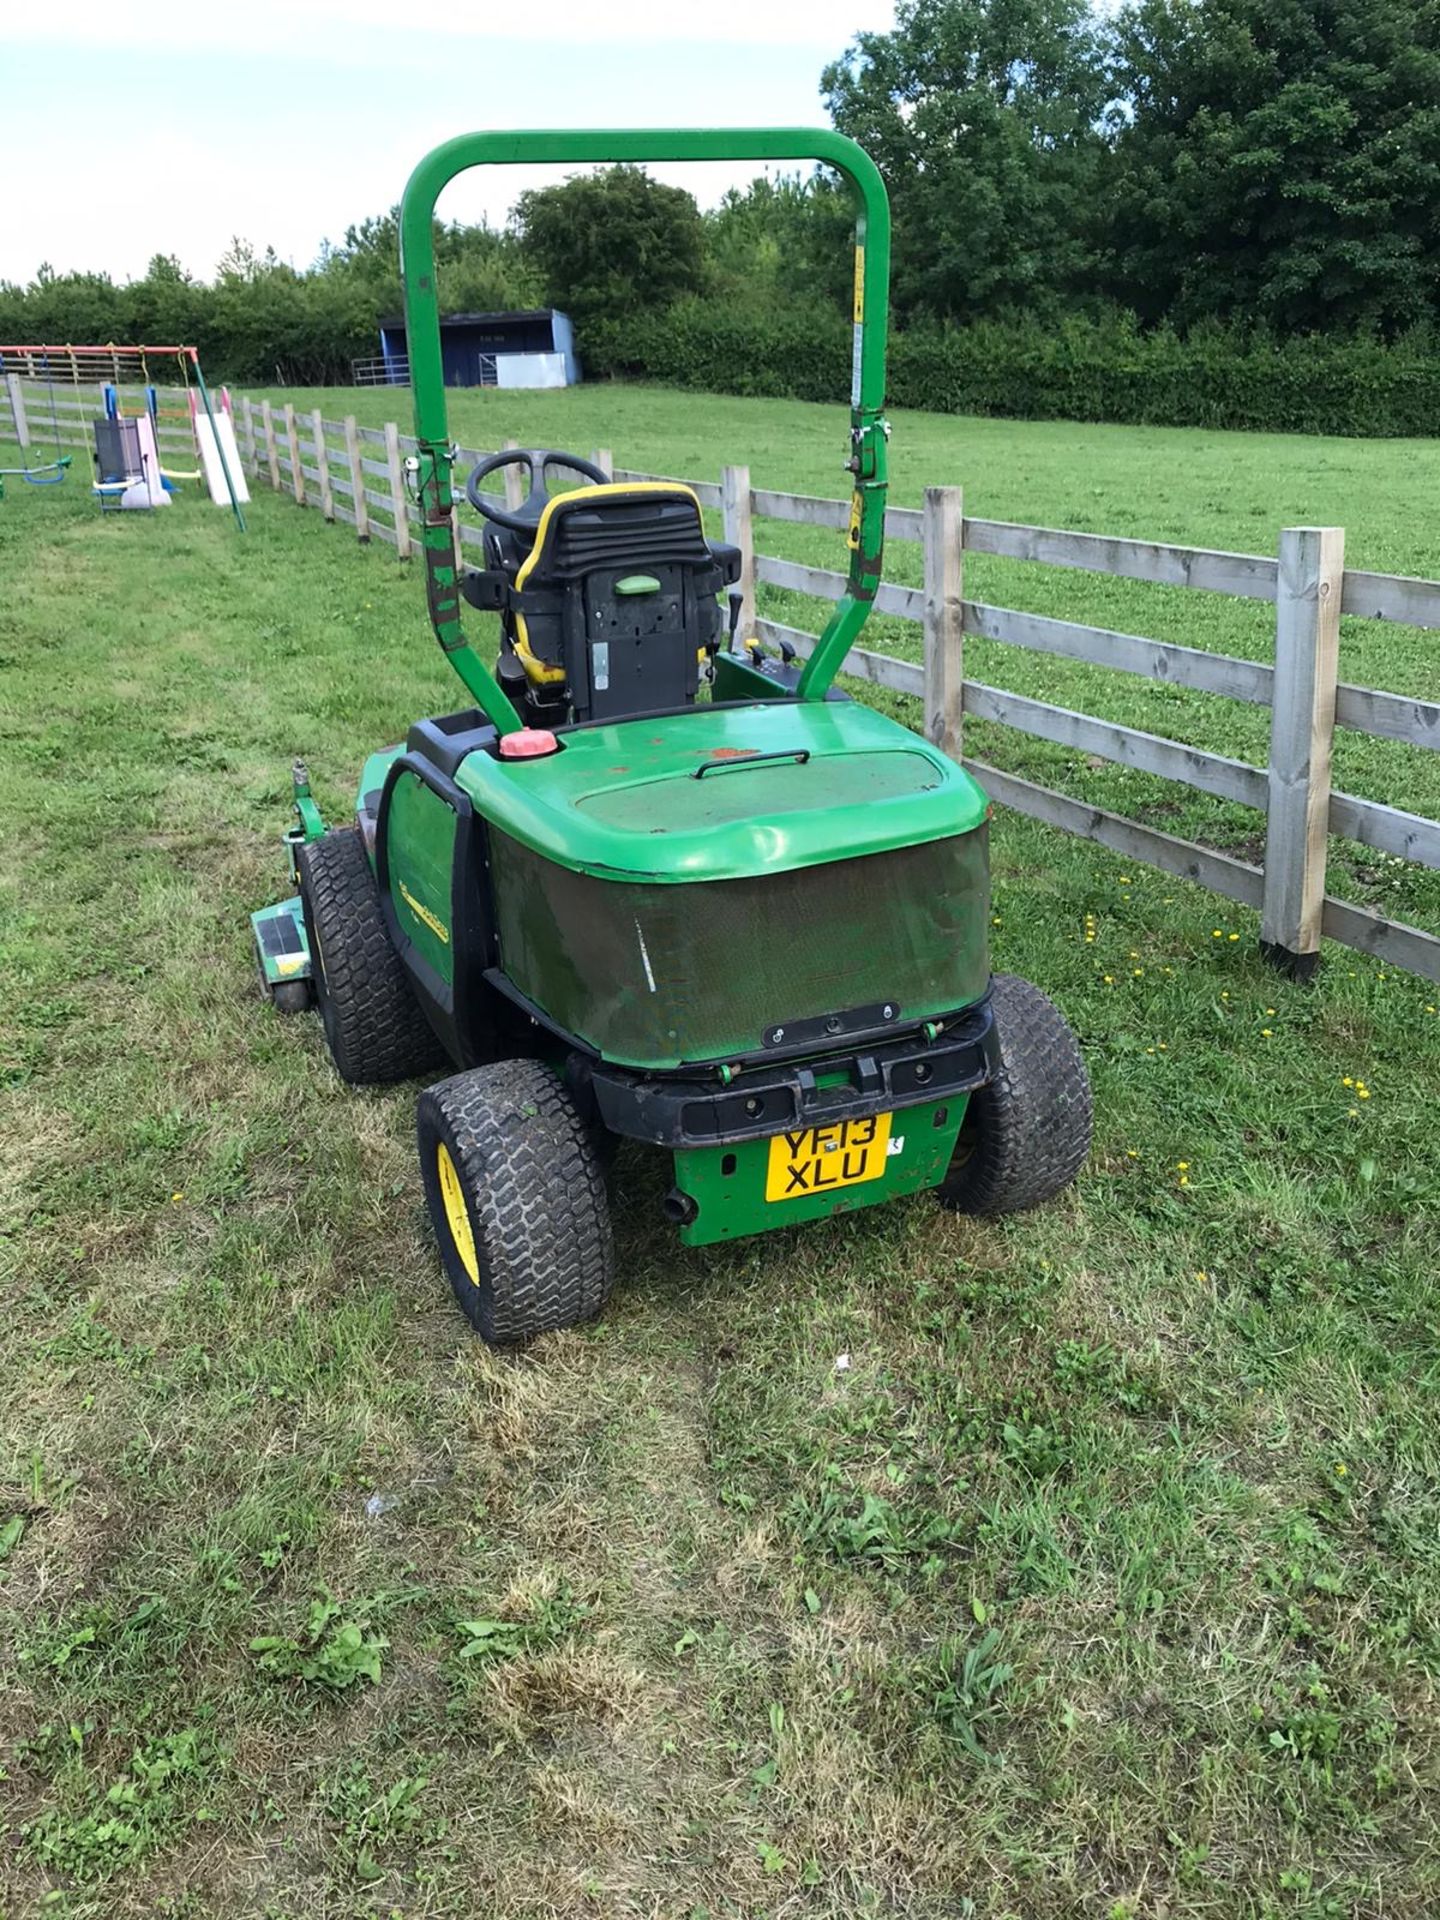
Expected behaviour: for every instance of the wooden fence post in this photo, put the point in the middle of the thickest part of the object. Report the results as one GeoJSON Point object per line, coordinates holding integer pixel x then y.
{"type": "Point", "coordinates": [357, 480]}
{"type": "Point", "coordinates": [322, 464]}
{"type": "Point", "coordinates": [17, 409]}
{"type": "Point", "coordinates": [252, 450]}
{"type": "Point", "coordinates": [739, 531]}
{"type": "Point", "coordinates": [297, 477]}
{"type": "Point", "coordinates": [1302, 728]}
{"type": "Point", "coordinates": [942, 532]}
{"type": "Point", "coordinates": [398, 503]}
{"type": "Point", "coordinates": [513, 494]}
{"type": "Point", "coordinates": [267, 422]}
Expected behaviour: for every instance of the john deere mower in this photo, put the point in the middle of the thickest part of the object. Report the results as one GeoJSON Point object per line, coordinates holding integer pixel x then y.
{"type": "Point", "coordinates": [656, 884]}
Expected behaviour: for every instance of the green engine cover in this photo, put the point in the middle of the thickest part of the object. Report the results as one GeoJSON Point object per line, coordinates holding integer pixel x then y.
{"type": "Point", "coordinates": [686, 888]}
{"type": "Point", "coordinates": [727, 793]}
{"type": "Point", "coordinates": [674, 890]}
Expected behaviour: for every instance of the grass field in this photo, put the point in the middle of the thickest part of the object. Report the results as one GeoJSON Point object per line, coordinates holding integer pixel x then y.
{"type": "Point", "coordinates": [1104, 1580]}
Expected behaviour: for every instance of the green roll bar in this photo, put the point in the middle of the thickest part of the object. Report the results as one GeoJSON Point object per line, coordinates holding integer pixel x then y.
{"type": "Point", "coordinates": [868, 428]}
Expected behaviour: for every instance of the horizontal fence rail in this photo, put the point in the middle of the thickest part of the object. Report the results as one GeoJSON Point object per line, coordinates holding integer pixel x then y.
{"type": "Point", "coordinates": [1250, 576]}
{"type": "Point", "coordinates": [356, 474]}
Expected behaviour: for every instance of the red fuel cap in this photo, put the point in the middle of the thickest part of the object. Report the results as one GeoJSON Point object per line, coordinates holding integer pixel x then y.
{"type": "Point", "coordinates": [528, 744]}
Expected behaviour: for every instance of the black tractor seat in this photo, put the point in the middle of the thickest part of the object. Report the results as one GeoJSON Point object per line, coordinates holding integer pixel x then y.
{"type": "Point", "coordinates": [614, 606]}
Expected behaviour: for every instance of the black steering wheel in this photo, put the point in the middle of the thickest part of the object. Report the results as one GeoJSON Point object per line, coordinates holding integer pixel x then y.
{"type": "Point", "coordinates": [537, 461]}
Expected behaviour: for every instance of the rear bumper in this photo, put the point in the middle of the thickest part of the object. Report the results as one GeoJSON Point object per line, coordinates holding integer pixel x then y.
{"type": "Point", "coordinates": [682, 1112]}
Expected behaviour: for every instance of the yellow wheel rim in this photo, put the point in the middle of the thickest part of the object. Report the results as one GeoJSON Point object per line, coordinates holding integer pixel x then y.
{"type": "Point", "coordinates": [457, 1216]}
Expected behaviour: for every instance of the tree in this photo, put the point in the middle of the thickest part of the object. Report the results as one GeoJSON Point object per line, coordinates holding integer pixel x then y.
{"type": "Point", "coordinates": [1280, 162]}
{"type": "Point", "coordinates": [609, 243]}
{"type": "Point", "coordinates": [785, 240]}
{"type": "Point", "coordinates": [984, 116]}
{"type": "Point", "coordinates": [86, 308]}
{"type": "Point", "coordinates": [166, 307]}
{"type": "Point", "coordinates": [478, 268]}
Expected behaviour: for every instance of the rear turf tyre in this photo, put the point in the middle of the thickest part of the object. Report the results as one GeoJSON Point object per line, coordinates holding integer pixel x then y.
{"type": "Point", "coordinates": [1025, 1135]}
{"type": "Point", "coordinates": [372, 1019]}
{"type": "Point", "coordinates": [516, 1192]}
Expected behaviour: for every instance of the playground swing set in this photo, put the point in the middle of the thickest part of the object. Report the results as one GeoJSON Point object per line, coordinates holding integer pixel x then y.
{"type": "Point", "coordinates": [138, 418]}
{"type": "Point", "coordinates": [45, 473]}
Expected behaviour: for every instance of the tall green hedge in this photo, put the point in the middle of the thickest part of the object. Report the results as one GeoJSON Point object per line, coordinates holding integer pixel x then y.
{"type": "Point", "coordinates": [1106, 370]}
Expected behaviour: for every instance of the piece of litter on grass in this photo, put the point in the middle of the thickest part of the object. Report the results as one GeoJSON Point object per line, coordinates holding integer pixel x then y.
{"type": "Point", "coordinates": [842, 1363]}
{"type": "Point", "coordinates": [379, 1503]}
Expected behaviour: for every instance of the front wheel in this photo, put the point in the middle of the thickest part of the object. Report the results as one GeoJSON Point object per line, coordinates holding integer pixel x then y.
{"type": "Point", "coordinates": [516, 1192]}
{"type": "Point", "coordinates": [373, 1022]}
{"type": "Point", "coordinates": [1026, 1134]}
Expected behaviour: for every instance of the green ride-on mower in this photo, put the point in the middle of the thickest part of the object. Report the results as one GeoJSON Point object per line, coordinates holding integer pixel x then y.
{"type": "Point", "coordinates": [656, 884]}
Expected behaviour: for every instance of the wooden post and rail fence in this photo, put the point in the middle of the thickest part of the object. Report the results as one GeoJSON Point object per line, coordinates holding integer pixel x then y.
{"type": "Point", "coordinates": [356, 474]}
{"type": "Point", "coordinates": [1307, 581]}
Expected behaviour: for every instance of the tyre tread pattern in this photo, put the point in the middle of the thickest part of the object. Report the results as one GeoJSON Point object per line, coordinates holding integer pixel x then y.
{"type": "Point", "coordinates": [373, 1022]}
{"type": "Point", "coordinates": [1033, 1120]}
{"type": "Point", "coordinates": [537, 1197]}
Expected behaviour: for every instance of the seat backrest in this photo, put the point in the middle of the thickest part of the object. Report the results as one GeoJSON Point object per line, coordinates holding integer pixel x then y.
{"type": "Point", "coordinates": [616, 602]}
{"type": "Point", "coordinates": [117, 451]}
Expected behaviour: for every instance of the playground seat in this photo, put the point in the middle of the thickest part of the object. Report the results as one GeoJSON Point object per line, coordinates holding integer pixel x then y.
{"type": "Point", "coordinates": [119, 472]}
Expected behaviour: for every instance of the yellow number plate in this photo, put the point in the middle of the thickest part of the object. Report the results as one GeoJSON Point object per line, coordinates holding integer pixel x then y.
{"type": "Point", "coordinates": [816, 1159]}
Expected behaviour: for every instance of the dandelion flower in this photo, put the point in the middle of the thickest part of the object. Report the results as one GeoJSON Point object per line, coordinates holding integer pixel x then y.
{"type": "Point", "coordinates": [1266, 1033]}
{"type": "Point", "coordinates": [1182, 1166]}
{"type": "Point", "coordinates": [1234, 936]}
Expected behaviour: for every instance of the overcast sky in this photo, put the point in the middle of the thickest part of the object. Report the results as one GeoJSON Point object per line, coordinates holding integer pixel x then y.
{"type": "Point", "coordinates": [172, 126]}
